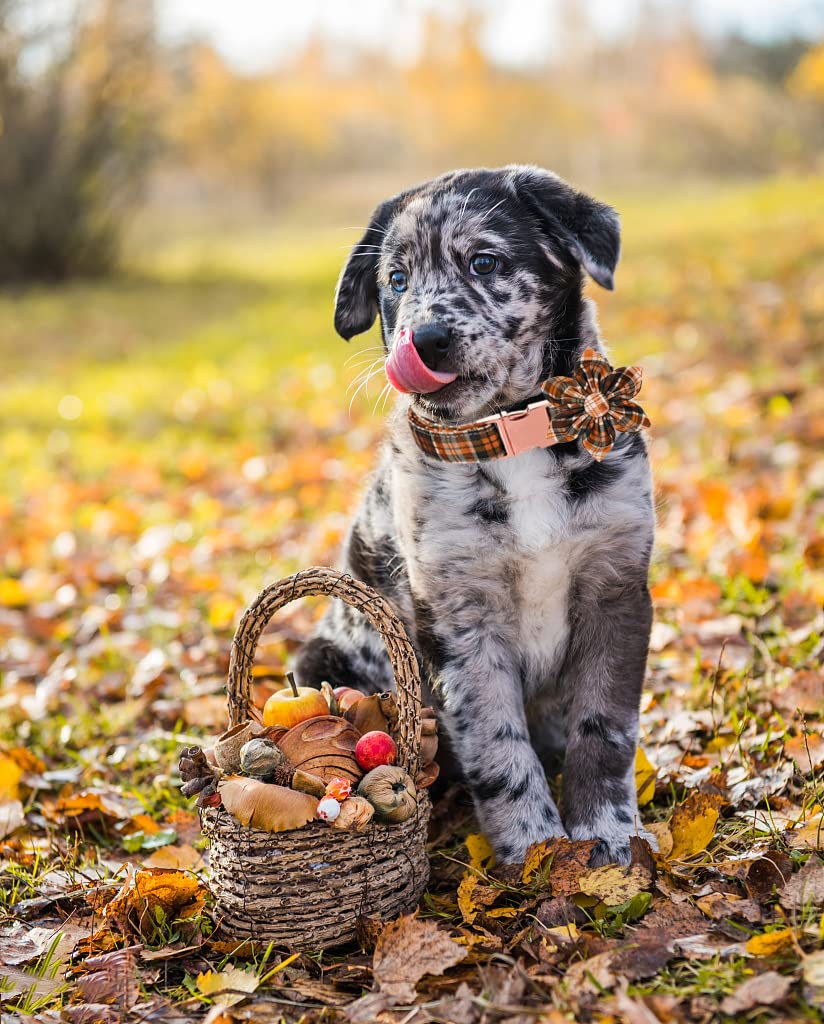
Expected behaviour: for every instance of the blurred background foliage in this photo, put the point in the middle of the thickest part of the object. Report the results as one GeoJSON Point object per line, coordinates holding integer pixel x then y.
{"type": "Point", "coordinates": [100, 112]}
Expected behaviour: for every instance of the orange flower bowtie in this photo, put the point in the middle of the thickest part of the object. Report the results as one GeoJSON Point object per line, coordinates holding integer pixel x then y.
{"type": "Point", "coordinates": [595, 402]}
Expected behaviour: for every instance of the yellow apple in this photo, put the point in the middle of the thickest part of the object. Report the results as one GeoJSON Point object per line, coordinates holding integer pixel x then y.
{"type": "Point", "coordinates": [294, 704]}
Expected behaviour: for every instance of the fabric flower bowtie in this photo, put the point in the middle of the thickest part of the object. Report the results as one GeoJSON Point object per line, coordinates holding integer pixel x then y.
{"type": "Point", "coordinates": [595, 402]}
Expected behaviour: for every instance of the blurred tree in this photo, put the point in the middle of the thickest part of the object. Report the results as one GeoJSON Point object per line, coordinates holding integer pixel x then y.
{"type": "Point", "coordinates": [75, 134]}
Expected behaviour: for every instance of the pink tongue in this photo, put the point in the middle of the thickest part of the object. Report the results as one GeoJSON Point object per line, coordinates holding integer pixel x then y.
{"type": "Point", "coordinates": [408, 373]}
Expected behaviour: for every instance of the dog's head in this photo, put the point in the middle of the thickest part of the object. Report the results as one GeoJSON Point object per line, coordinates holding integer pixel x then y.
{"type": "Point", "coordinates": [480, 271]}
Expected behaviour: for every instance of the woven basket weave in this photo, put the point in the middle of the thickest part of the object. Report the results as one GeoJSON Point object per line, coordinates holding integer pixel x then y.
{"type": "Point", "coordinates": [307, 888]}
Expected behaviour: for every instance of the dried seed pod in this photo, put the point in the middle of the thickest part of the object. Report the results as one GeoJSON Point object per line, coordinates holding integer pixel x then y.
{"type": "Point", "coordinates": [367, 715]}
{"type": "Point", "coordinates": [273, 733]}
{"type": "Point", "coordinates": [305, 782]}
{"type": "Point", "coordinates": [261, 758]}
{"type": "Point", "coordinates": [429, 736]}
{"type": "Point", "coordinates": [197, 785]}
{"type": "Point", "coordinates": [227, 748]}
{"type": "Point", "coordinates": [355, 814]}
{"type": "Point", "coordinates": [331, 699]}
{"type": "Point", "coordinates": [193, 764]}
{"type": "Point", "coordinates": [427, 775]}
{"type": "Point", "coordinates": [323, 746]}
{"type": "Point", "coordinates": [389, 707]}
{"type": "Point", "coordinates": [391, 792]}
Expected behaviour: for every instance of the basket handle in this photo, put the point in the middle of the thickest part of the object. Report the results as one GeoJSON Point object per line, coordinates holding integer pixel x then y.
{"type": "Point", "coordinates": [321, 580]}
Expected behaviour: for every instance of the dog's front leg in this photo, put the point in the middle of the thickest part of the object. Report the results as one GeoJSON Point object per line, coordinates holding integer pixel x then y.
{"type": "Point", "coordinates": [603, 676]}
{"type": "Point", "coordinates": [485, 719]}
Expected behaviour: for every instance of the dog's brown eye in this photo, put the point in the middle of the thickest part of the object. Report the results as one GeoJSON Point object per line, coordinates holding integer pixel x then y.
{"type": "Point", "coordinates": [482, 264]}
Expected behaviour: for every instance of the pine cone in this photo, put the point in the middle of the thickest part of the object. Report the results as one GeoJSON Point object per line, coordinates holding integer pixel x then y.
{"type": "Point", "coordinates": [193, 765]}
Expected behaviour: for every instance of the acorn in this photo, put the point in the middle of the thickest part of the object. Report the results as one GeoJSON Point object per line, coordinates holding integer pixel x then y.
{"type": "Point", "coordinates": [261, 758]}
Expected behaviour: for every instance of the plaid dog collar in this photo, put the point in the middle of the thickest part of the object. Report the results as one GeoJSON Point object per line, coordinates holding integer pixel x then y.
{"type": "Point", "coordinates": [592, 404]}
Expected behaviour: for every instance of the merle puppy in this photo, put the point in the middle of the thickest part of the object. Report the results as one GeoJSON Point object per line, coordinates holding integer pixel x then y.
{"type": "Point", "coordinates": [522, 580]}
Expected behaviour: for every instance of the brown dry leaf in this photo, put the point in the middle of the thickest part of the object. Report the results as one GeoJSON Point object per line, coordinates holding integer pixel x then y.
{"type": "Point", "coordinates": [112, 979]}
{"type": "Point", "coordinates": [762, 990]}
{"type": "Point", "coordinates": [407, 950]}
{"type": "Point", "coordinates": [722, 906]}
{"type": "Point", "coordinates": [229, 986]}
{"type": "Point", "coordinates": [693, 824]}
{"type": "Point", "coordinates": [615, 885]}
{"type": "Point", "coordinates": [562, 860]}
{"type": "Point", "coordinates": [804, 888]}
{"type": "Point", "coordinates": [266, 806]}
{"type": "Point", "coordinates": [592, 976]}
{"type": "Point", "coordinates": [807, 750]}
{"type": "Point", "coordinates": [809, 836]}
{"type": "Point", "coordinates": [805, 693]}
{"type": "Point", "coordinates": [152, 897]}
{"type": "Point", "coordinates": [183, 857]}
{"type": "Point", "coordinates": [661, 831]}
{"type": "Point", "coordinates": [91, 807]}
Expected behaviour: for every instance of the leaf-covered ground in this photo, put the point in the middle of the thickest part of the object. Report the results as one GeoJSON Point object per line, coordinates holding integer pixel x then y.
{"type": "Point", "coordinates": [174, 440]}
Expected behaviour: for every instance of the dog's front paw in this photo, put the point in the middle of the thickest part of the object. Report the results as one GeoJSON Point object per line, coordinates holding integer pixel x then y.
{"type": "Point", "coordinates": [614, 847]}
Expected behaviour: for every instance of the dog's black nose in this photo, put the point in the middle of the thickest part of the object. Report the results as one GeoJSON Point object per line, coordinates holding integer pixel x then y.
{"type": "Point", "coordinates": [432, 343]}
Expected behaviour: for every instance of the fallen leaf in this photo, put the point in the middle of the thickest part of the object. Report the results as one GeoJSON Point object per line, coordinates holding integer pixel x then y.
{"type": "Point", "coordinates": [615, 885]}
{"type": "Point", "coordinates": [10, 775]}
{"type": "Point", "coordinates": [804, 888]}
{"type": "Point", "coordinates": [770, 942]}
{"type": "Point", "coordinates": [762, 990]}
{"type": "Point", "coordinates": [11, 817]}
{"type": "Point", "coordinates": [228, 986]}
{"type": "Point", "coordinates": [481, 854]}
{"type": "Point", "coordinates": [814, 969]}
{"type": "Point", "coordinates": [408, 949]}
{"type": "Point", "coordinates": [561, 860]}
{"type": "Point", "coordinates": [810, 835]}
{"type": "Point", "coordinates": [807, 750]}
{"type": "Point", "coordinates": [590, 977]}
{"type": "Point", "coordinates": [693, 824]}
{"type": "Point", "coordinates": [722, 906]}
{"type": "Point", "coordinates": [645, 776]}
{"type": "Point", "coordinates": [113, 978]}
{"type": "Point", "coordinates": [151, 900]}
{"type": "Point", "coordinates": [183, 857]}
{"type": "Point", "coordinates": [661, 831]}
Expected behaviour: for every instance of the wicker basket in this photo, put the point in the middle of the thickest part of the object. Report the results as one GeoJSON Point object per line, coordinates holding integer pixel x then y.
{"type": "Point", "coordinates": [307, 888]}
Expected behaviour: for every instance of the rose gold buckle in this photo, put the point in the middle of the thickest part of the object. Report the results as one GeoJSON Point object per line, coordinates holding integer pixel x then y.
{"type": "Point", "coordinates": [526, 429]}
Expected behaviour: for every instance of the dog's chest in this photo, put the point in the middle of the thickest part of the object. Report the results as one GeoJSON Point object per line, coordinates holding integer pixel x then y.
{"type": "Point", "coordinates": [507, 533]}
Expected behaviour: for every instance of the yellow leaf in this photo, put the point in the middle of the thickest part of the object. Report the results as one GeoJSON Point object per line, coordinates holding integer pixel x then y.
{"type": "Point", "coordinates": [502, 912]}
{"type": "Point", "coordinates": [770, 942]}
{"type": "Point", "coordinates": [10, 773]}
{"type": "Point", "coordinates": [645, 775]}
{"type": "Point", "coordinates": [481, 855]}
{"type": "Point", "coordinates": [466, 904]}
{"type": "Point", "coordinates": [693, 824]}
{"type": "Point", "coordinates": [227, 986]}
{"type": "Point", "coordinates": [613, 884]}
{"type": "Point", "coordinates": [222, 611]}
{"type": "Point", "coordinates": [13, 593]}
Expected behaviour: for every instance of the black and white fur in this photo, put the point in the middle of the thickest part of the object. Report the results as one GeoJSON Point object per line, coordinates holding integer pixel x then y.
{"type": "Point", "coordinates": [522, 581]}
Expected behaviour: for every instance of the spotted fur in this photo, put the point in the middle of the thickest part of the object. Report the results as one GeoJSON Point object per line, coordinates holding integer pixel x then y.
{"type": "Point", "coordinates": [523, 582]}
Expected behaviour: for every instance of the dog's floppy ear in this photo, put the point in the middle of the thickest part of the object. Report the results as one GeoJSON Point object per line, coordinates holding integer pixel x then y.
{"type": "Point", "coordinates": [591, 230]}
{"type": "Point", "coordinates": [356, 297]}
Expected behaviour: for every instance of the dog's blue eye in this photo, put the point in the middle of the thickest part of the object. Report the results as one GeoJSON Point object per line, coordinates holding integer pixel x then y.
{"type": "Point", "coordinates": [482, 264]}
{"type": "Point", "coordinates": [398, 281]}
